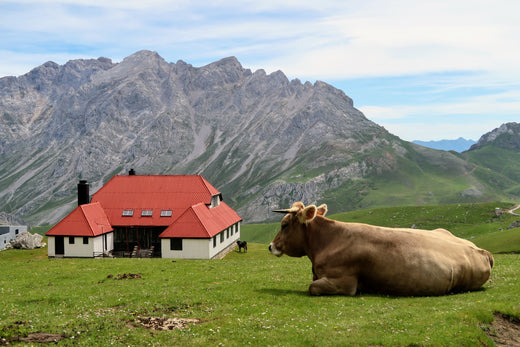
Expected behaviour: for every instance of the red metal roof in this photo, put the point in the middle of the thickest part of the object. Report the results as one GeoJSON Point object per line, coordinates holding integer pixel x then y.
{"type": "Point", "coordinates": [186, 196]}
{"type": "Point", "coordinates": [152, 193]}
{"type": "Point", "coordinates": [85, 220]}
{"type": "Point", "coordinates": [199, 221]}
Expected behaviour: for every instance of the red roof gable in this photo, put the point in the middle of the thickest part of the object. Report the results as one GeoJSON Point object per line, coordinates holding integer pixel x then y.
{"type": "Point", "coordinates": [152, 193]}
{"type": "Point", "coordinates": [199, 221]}
{"type": "Point", "coordinates": [85, 220]}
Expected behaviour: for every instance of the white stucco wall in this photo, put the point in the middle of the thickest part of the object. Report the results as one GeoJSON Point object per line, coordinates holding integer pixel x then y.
{"type": "Point", "coordinates": [202, 248]}
{"type": "Point", "coordinates": [191, 249]}
{"type": "Point", "coordinates": [80, 250]}
{"type": "Point", "coordinates": [110, 241]}
{"type": "Point", "coordinates": [234, 235]}
{"type": "Point", "coordinates": [50, 246]}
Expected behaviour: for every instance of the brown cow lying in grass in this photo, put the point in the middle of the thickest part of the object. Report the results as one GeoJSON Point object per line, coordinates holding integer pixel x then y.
{"type": "Point", "coordinates": [348, 258]}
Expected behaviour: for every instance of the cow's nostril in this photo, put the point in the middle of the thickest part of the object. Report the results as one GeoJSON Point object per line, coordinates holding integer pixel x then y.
{"type": "Point", "coordinates": [269, 248]}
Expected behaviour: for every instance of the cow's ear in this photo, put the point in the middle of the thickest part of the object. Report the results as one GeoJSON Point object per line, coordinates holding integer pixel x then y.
{"type": "Point", "coordinates": [307, 214]}
{"type": "Point", "coordinates": [322, 210]}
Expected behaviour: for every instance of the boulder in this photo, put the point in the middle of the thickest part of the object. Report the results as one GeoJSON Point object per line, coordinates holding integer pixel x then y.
{"type": "Point", "coordinates": [513, 225]}
{"type": "Point", "coordinates": [26, 241]}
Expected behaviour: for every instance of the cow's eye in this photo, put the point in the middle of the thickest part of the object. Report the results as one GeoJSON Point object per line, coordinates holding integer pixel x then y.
{"type": "Point", "coordinates": [284, 225]}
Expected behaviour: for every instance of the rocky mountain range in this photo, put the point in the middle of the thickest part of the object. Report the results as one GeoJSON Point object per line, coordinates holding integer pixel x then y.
{"type": "Point", "coordinates": [262, 140]}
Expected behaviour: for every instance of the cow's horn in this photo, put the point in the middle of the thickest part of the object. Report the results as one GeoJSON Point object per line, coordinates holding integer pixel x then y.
{"type": "Point", "coordinates": [282, 211]}
{"type": "Point", "coordinates": [287, 210]}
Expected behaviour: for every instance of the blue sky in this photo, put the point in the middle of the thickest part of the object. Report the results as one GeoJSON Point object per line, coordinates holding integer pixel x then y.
{"type": "Point", "coordinates": [425, 70]}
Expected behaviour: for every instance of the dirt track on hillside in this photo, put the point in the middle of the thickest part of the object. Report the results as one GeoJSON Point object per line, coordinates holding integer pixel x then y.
{"type": "Point", "coordinates": [513, 209]}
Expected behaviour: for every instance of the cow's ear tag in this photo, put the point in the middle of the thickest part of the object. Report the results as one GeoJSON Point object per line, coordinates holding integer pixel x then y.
{"type": "Point", "coordinates": [307, 214]}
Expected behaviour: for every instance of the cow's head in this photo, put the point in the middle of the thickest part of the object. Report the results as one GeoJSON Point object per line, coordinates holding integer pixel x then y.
{"type": "Point", "coordinates": [290, 239]}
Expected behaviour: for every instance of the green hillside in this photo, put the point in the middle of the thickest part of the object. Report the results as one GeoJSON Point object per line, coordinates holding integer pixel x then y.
{"type": "Point", "coordinates": [421, 176]}
{"type": "Point", "coordinates": [475, 222]}
{"type": "Point", "coordinates": [498, 166]}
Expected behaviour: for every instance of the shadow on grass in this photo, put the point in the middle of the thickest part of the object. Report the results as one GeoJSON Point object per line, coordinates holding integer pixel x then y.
{"type": "Point", "coordinates": [284, 292]}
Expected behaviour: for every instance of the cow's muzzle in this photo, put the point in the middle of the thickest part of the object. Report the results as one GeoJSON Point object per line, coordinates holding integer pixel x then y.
{"type": "Point", "coordinates": [274, 251]}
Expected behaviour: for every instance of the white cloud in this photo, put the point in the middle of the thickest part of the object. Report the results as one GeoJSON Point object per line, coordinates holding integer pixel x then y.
{"type": "Point", "coordinates": [305, 39]}
{"type": "Point", "coordinates": [412, 37]}
{"type": "Point", "coordinates": [470, 117]}
{"type": "Point", "coordinates": [504, 103]}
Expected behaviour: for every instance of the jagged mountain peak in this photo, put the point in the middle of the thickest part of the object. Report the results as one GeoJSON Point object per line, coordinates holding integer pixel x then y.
{"type": "Point", "coordinates": [143, 56]}
{"type": "Point", "coordinates": [140, 61]}
{"type": "Point", "coordinates": [229, 62]}
{"type": "Point", "coordinates": [507, 136]}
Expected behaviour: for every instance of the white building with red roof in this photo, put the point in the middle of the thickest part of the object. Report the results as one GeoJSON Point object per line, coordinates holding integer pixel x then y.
{"type": "Point", "coordinates": [169, 216]}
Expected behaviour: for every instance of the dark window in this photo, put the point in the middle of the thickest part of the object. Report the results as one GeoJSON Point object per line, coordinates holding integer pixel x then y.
{"type": "Point", "coordinates": [221, 237]}
{"type": "Point", "coordinates": [176, 244]}
{"type": "Point", "coordinates": [214, 241]}
{"type": "Point", "coordinates": [16, 232]}
{"type": "Point", "coordinates": [85, 240]}
{"type": "Point", "coordinates": [71, 240]}
{"type": "Point", "coordinates": [227, 233]}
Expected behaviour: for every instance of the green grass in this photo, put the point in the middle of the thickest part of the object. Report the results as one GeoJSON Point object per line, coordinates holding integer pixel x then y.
{"type": "Point", "coordinates": [246, 298]}
{"type": "Point", "coordinates": [506, 241]}
{"type": "Point", "coordinates": [259, 233]}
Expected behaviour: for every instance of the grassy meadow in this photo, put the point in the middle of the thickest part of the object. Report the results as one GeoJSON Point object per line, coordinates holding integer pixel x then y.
{"type": "Point", "coordinates": [249, 298]}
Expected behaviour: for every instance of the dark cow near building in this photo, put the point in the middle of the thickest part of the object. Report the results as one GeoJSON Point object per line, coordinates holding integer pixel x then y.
{"type": "Point", "coordinates": [242, 244]}
{"type": "Point", "coordinates": [348, 258]}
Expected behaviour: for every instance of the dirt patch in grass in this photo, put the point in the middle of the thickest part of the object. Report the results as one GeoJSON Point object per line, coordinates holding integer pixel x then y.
{"type": "Point", "coordinates": [158, 323]}
{"type": "Point", "coordinates": [34, 338]}
{"type": "Point", "coordinates": [505, 330]}
{"type": "Point", "coordinates": [42, 337]}
{"type": "Point", "coordinates": [17, 335]}
{"type": "Point", "coordinates": [125, 276]}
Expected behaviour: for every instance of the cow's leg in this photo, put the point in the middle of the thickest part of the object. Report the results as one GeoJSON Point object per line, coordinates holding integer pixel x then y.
{"type": "Point", "coordinates": [325, 286]}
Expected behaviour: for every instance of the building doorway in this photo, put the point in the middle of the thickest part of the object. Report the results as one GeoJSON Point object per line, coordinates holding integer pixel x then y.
{"type": "Point", "coordinates": [59, 245]}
